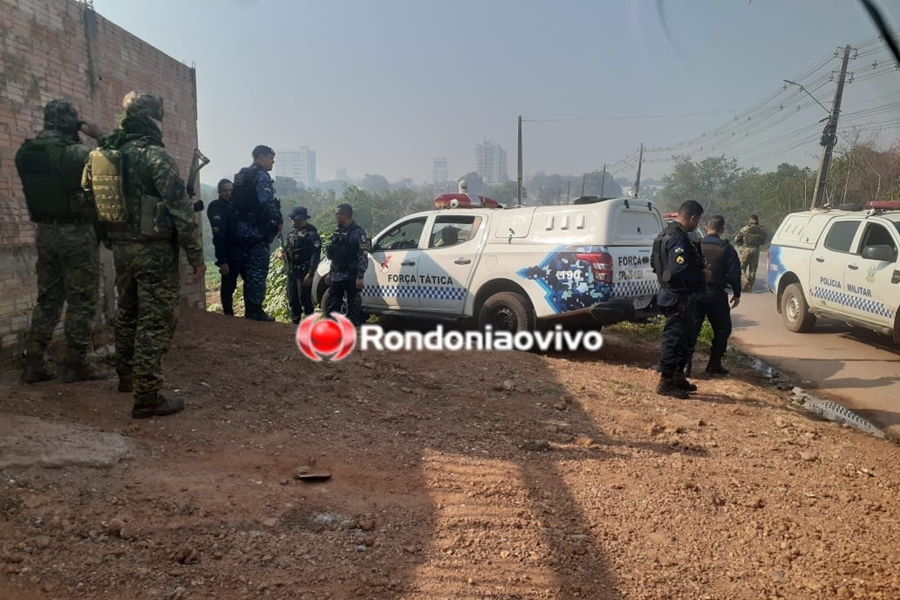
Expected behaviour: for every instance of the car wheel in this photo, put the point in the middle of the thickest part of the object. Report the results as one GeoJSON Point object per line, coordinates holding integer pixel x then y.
{"type": "Point", "coordinates": [795, 311]}
{"type": "Point", "coordinates": [506, 311]}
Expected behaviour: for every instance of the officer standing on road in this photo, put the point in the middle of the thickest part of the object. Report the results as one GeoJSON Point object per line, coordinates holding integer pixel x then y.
{"type": "Point", "coordinates": [348, 252]}
{"type": "Point", "coordinates": [258, 222]}
{"type": "Point", "coordinates": [679, 267]}
{"type": "Point", "coordinates": [301, 257]}
{"type": "Point", "coordinates": [228, 252]}
{"type": "Point", "coordinates": [750, 237]}
{"type": "Point", "coordinates": [723, 270]}
{"type": "Point", "coordinates": [68, 261]}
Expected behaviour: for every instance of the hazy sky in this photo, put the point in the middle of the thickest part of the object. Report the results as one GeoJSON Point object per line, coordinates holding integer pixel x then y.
{"type": "Point", "coordinates": [384, 86]}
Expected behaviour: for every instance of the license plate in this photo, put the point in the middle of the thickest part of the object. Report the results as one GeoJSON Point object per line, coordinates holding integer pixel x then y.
{"type": "Point", "coordinates": [641, 303]}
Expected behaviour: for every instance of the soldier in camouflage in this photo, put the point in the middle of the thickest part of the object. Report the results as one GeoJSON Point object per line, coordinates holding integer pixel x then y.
{"type": "Point", "coordinates": [750, 238]}
{"type": "Point", "coordinates": [348, 252]}
{"type": "Point", "coordinates": [301, 257]}
{"type": "Point", "coordinates": [159, 219]}
{"type": "Point", "coordinates": [68, 263]}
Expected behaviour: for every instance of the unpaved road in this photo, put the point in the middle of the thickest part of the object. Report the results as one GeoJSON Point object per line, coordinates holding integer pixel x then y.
{"type": "Point", "coordinates": [857, 368]}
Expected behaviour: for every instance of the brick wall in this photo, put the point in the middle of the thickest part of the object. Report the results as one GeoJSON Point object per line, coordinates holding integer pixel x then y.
{"type": "Point", "coordinates": [61, 49]}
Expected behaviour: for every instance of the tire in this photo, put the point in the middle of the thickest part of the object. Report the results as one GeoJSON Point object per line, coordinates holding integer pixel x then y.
{"type": "Point", "coordinates": [897, 329]}
{"type": "Point", "coordinates": [795, 311]}
{"type": "Point", "coordinates": [506, 311]}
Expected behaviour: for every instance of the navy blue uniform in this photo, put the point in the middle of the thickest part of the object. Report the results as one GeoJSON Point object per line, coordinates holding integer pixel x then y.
{"type": "Point", "coordinates": [723, 271]}
{"type": "Point", "coordinates": [228, 252]}
{"type": "Point", "coordinates": [349, 259]}
{"type": "Point", "coordinates": [682, 282]}
{"type": "Point", "coordinates": [301, 257]}
{"type": "Point", "coordinates": [255, 232]}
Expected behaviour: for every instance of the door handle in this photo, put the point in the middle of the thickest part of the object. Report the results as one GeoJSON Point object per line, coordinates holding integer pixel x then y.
{"type": "Point", "coordinates": [407, 263]}
{"type": "Point", "coordinates": [462, 261]}
{"type": "Point", "coordinates": [820, 259]}
{"type": "Point", "coordinates": [853, 267]}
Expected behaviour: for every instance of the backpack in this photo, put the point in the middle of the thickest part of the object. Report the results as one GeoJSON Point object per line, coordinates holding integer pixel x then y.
{"type": "Point", "coordinates": [48, 196]}
{"type": "Point", "coordinates": [244, 197]}
{"type": "Point", "coordinates": [107, 182]}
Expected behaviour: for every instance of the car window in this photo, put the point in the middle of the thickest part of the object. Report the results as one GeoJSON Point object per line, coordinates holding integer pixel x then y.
{"type": "Point", "coordinates": [450, 230]}
{"type": "Point", "coordinates": [841, 236]}
{"type": "Point", "coordinates": [404, 236]}
{"type": "Point", "coordinates": [876, 235]}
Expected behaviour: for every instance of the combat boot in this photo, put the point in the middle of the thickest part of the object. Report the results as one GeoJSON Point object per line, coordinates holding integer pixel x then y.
{"type": "Point", "coordinates": [255, 312]}
{"type": "Point", "coordinates": [35, 368]}
{"type": "Point", "coordinates": [155, 404]}
{"type": "Point", "coordinates": [680, 381]}
{"type": "Point", "coordinates": [715, 366]}
{"type": "Point", "coordinates": [228, 310]}
{"type": "Point", "coordinates": [126, 384]}
{"type": "Point", "coordinates": [667, 387]}
{"type": "Point", "coordinates": [74, 371]}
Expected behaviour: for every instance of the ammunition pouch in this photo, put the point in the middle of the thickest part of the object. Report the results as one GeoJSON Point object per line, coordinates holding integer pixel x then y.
{"type": "Point", "coordinates": [107, 174]}
{"type": "Point", "coordinates": [155, 222]}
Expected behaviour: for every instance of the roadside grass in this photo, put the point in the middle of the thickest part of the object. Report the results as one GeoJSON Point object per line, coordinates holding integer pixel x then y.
{"type": "Point", "coordinates": [651, 331]}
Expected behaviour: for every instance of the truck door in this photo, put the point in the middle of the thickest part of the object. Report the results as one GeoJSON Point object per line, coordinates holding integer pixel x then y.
{"type": "Point", "coordinates": [871, 295]}
{"type": "Point", "coordinates": [827, 288]}
{"type": "Point", "coordinates": [446, 265]}
{"type": "Point", "coordinates": [391, 280]}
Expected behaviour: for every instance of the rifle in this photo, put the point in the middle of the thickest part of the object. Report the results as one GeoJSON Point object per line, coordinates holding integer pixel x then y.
{"type": "Point", "coordinates": [198, 161]}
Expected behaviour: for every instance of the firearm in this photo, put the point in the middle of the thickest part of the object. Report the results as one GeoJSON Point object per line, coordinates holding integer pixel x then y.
{"type": "Point", "coordinates": [198, 161]}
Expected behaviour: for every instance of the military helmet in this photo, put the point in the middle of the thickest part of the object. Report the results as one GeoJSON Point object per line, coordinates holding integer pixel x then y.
{"type": "Point", "coordinates": [61, 116]}
{"type": "Point", "coordinates": [142, 104]}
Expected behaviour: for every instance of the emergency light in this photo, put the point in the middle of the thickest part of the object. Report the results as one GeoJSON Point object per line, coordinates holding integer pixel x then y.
{"type": "Point", "coordinates": [465, 201]}
{"type": "Point", "coordinates": [883, 205]}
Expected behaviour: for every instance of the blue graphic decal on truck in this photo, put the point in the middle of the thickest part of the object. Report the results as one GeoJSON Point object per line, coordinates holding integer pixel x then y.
{"type": "Point", "coordinates": [568, 278]}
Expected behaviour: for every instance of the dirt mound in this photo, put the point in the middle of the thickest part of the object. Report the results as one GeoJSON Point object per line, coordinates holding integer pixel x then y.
{"type": "Point", "coordinates": [466, 475]}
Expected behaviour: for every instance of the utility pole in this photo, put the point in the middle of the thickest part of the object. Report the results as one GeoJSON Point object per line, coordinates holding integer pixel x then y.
{"type": "Point", "coordinates": [603, 180]}
{"type": "Point", "coordinates": [568, 191]}
{"type": "Point", "coordinates": [829, 134]}
{"type": "Point", "coordinates": [637, 182]}
{"type": "Point", "coordinates": [583, 179]}
{"type": "Point", "coordinates": [519, 199]}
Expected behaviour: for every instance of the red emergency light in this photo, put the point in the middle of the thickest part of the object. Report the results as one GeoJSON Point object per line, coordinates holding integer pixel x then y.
{"type": "Point", "coordinates": [884, 204]}
{"type": "Point", "coordinates": [464, 201]}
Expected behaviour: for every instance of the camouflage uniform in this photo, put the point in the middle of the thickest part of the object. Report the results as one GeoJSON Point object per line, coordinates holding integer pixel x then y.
{"type": "Point", "coordinates": [147, 277]}
{"type": "Point", "coordinates": [750, 237]}
{"type": "Point", "coordinates": [68, 263]}
{"type": "Point", "coordinates": [348, 253]}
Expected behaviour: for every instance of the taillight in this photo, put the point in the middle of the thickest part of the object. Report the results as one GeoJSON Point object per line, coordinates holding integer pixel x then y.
{"type": "Point", "coordinates": [601, 265]}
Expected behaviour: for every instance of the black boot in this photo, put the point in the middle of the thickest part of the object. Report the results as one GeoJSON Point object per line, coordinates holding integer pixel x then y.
{"type": "Point", "coordinates": [667, 387]}
{"type": "Point", "coordinates": [680, 381]}
{"type": "Point", "coordinates": [228, 310]}
{"type": "Point", "coordinates": [155, 404]}
{"type": "Point", "coordinates": [35, 368]}
{"type": "Point", "coordinates": [715, 365]}
{"type": "Point", "coordinates": [255, 312]}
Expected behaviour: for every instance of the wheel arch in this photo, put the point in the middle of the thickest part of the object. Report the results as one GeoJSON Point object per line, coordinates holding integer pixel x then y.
{"type": "Point", "coordinates": [495, 286]}
{"type": "Point", "coordinates": [786, 280]}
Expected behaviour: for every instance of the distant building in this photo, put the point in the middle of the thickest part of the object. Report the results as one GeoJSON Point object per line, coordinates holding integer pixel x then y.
{"type": "Point", "coordinates": [490, 163]}
{"type": "Point", "coordinates": [297, 164]}
{"type": "Point", "coordinates": [342, 174]}
{"type": "Point", "coordinates": [440, 172]}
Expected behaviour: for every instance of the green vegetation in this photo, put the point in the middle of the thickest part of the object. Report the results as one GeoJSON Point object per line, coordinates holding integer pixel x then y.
{"type": "Point", "coordinates": [652, 332]}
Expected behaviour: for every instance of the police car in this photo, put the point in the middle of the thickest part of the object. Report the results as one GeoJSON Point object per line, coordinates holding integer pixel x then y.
{"type": "Point", "coordinates": [840, 264]}
{"type": "Point", "coordinates": [514, 268]}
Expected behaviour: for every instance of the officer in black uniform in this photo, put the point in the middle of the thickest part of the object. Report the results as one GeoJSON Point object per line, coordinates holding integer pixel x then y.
{"type": "Point", "coordinates": [723, 270]}
{"type": "Point", "coordinates": [301, 257]}
{"type": "Point", "coordinates": [229, 254]}
{"type": "Point", "coordinates": [348, 252]}
{"type": "Point", "coordinates": [680, 269]}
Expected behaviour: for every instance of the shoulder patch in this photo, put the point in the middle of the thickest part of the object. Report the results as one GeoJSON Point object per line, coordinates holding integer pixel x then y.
{"type": "Point", "coordinates": [680, 260]}
{"type": "Point", "coordinates": [679, 250]}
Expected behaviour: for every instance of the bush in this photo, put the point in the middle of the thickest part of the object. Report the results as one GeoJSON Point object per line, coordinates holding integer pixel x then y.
{"type": "Point", "coordinates": [652, 331]}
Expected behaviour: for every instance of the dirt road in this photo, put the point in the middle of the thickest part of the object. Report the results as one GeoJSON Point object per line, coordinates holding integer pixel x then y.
{"type": "Point", "coordinates": [859, 369]}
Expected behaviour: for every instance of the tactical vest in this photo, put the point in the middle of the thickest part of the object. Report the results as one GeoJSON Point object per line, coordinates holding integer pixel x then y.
{"type": "Point", "coordinates": [300, 247]}
{"type": "Point", "coordinates": [48, 196]}
{"type": "Point", "coordinates": [659, 260]}
{"type": "Point", "coordinates": [138, 212]}
{"type": "Point", "coordinates": [755, 236]}
{"type": "Point", "coordinates": [244, 196]}
{"type": "Point", "coordinates": [342, 251]}
{"type": "Point", "coordinates": [714, 253]}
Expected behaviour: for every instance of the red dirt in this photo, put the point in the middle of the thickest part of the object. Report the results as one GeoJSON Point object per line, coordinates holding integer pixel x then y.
{"type": "Point", "coordinates": [504, 476]}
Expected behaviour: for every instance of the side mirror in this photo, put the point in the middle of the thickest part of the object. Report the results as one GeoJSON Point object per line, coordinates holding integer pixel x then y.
{"type": "Point", "coordinates": [881, 253]}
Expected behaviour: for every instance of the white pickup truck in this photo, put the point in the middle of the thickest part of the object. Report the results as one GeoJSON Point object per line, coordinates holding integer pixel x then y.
{"type": "Point", "coordinates": [516, 268]}
{"type": "Point", "coordinates": [840, 264]}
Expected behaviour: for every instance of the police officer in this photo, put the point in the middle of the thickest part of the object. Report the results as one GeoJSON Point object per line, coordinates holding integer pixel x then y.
{"type": "Point", "coordinates": [258, 222]}
{"type": "Point", "coordinates": [349, 259]}
{"type": "Point", "coordinates": [751, 237]}
{"type": "Point", "coordinates": [723, 270]}
{"type": "Point", "coordinates": [229, 255]}
{"type": "Point", "coordinates": [68, 250]}
{"type": "Point", "coordinates": [301, 257]}
{"type": "Point", "coordinates": [679, 267]}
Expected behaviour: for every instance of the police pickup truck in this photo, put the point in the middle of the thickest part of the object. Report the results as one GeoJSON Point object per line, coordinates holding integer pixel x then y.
{"type": "Point", "coordinates": [516, 268]}
{"type": "Point", "coordinates": [840, 264]}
